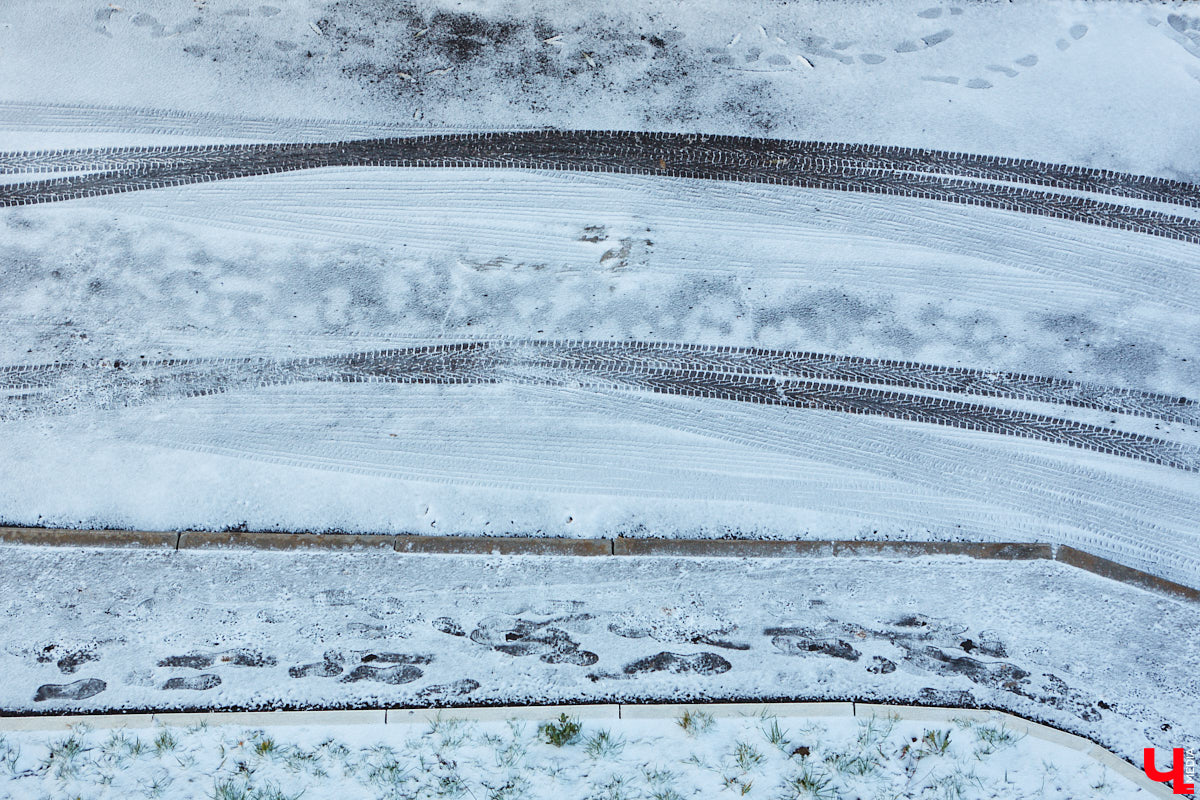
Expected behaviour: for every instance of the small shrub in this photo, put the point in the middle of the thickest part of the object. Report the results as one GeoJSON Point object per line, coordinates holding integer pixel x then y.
{"type": "Point", "coordinates": [993, 739]}
{"type": "Point", "coordinates": [616, 788]}
{"type": "Point", "coordinates": [936, 742]}
{"type": "Point", "coordinates": [564, 731]}
{"type": "Point", "coordinates": [746, 756]}
{"type": "Point", "coordinates": [809, 785]}
{"type": "Point", "coordinates": [603, 745]}
{"type": "Point", "coordinates": [874, 730]}
{"type": "Point", "coordinates": [847, 764]}
{"type": "Point", "coordinates": [9, 756]}
{"type": "Point", "coordinates": [230, 790]}
{"type": "Point", "coordinates": [514, 787]}
{"type": "Point", "coordinates": [695, 722]}
{"type": "Point", "coordinates": [776, 735]}
{"type": "Point", "coordinates": [165, 742]}
{"type": "Point", "coordinates": [64, 757]}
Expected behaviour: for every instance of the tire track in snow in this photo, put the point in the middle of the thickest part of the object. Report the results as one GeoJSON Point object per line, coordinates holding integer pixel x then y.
{"type": "Point", "coordinates": [675, 155]}
{"type": "Point", "coordinates": [743, 375]}
{"type": "Point", "coordinates": [1132, 521]}
{"type": "Point", "coordinates": [913, 408]}
{"type": "Point", "coordinates": [717, 149]}
{"type": "Point", "coordinates": [632, 355]}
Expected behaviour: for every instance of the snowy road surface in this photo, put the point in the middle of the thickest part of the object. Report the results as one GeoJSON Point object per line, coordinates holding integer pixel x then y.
{"type": "Point", "coordinates": [840, 276]}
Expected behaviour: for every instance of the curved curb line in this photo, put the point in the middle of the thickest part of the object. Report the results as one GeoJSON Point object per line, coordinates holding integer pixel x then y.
{"type": "Point", "coordinates": [415, 544]}
{"type": "Point", "coordinates": [384, 716]}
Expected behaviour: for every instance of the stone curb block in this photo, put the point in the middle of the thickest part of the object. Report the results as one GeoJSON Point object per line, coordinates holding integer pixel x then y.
{"type": "Point", "coordinates": [721, 548]}
{"type": "Point", "coordinates": [733, 710]}
{"type": "Point", "coordinates": [1009, 551]}
{"type": "Point", "coordinates": [1118, 572]}
{"type": "Point", "coordinates": [932, 713]}
{"type": "Point", "coordinates": [1061, 738]}
{"type": "Point", "coordinates": [261, 718]}
{"type": "Point", "coordinates": [500, 713]}
{"type": "Point", "coordinates": [552, 546]}
{"type": "Point", "coordinates": [58, 537]}
{"type": "Point", "coordinates": [210, 540]}
{"type": "Point", "coordinates": [62, 723]}
{"type": "Point", "coordinates": [1130, 772]}
{"type": "Point", "coordinates": [500, 545]}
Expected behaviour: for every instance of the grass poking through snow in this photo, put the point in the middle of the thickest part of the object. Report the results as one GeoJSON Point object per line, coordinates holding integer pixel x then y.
{"type": "Point", "coordinates": [695, 755]}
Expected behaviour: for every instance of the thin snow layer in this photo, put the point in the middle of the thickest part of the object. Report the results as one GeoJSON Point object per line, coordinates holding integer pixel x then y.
{"type": "Point", "coordinates": [755, 756]}
{"type": "Point", "coordinates": [1103, 84]}
{"type": "Point", "coordinates": [104, 630]}
{"type": "Point", "coordinates": [341, 261]}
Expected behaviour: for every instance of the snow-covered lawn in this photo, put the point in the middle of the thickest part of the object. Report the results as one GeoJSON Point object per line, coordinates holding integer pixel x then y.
{"type": "Point", "coordinates": [693, 755]}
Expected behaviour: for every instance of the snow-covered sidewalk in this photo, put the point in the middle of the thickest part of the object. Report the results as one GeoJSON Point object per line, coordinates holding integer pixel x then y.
{"type": "Point", "coordinates": [111, 629]}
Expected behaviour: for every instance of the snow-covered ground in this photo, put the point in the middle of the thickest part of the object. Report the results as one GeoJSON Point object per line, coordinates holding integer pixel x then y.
{"type": "Point", "coordinates": [1103, 84]}
{"type": "Point", "coordinates": [694, 755]}
{"type": "Point", "coordinates": [345, 260]}
{"type": "Point", "coordinates": [600, 335]}
{"type": "Point", "coordinates": [109, 629]}
{"type": "Point", "coordinates": [106, 284]}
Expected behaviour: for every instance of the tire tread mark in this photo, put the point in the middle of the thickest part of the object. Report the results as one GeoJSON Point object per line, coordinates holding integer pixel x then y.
{"type": "Point", "coordinates": [719, 148]}
{"type": "Point", "coordinates": [674, 155]}
{"type": "Point", "coordinates": [482, 362]}
{"type": "Point", "coordinates": [628, 355]}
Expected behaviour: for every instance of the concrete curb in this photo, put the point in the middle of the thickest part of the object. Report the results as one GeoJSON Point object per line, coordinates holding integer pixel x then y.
{"type": "Point", "coordinates": [205, 540]}
{"type": "Point", "coordinates": [772, 548]}
{"type": "Point", "coordinates": [423, 545]}
{"type": "Point", "coordinates": [1119, 572]}
{"type": "Point", "coordinates": [381, 716]}
{"type": "Point", "coordinates": [501, 545]}
{"type": "Point", "coordinates": [731, 710]}
{"type": "Point", "coordinates": [405, 716]}
{"type": "Point", "coordinates": [559, 546]}
{"type": "Point", "coordinates": [57, 537]}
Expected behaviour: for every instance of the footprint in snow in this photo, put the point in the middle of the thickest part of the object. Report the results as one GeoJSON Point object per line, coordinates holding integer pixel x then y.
{"type": "Point", "coordinates": [79, 690]}
{"type": "Point", "coordinates": [237, 658]}
{"type": "Point", "coordinates": [330, 667]}
{"type": "Point", "coordinates": [197, 683]}
{"type": "Point", "coordinates": [443, 691]}
{"type": "Point", "coordinates": [447, 625]}
{"type": "Point", "coordinates": [70, 662]}
{"type": "Point", "coordinates": [802, 642]}
{"type": "Point", "coordinates": [396, 675]}
{"type": "Point", "coordinates": [674, 663]}
{"type": "Point", "coordinates": [523, 637]}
